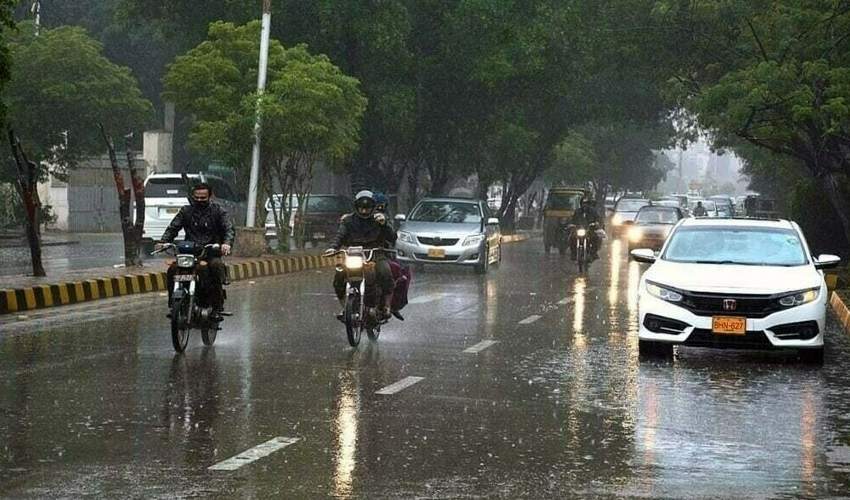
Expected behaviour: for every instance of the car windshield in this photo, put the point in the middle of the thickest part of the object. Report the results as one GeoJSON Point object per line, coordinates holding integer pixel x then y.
{"type": "Point", "coordinates": [165, 188]}
{"type": "Point", "coordinates": [722, 202]}
{"type": "Point", "coordinates": [563, 201]}
{"type": "Point", "coordinates": [657, 217]}
{"type": "Point", "coordinates": [327, 204]}
{"type": "Point", "coordinates": [707, 204]}
{"type": "Point", "coordinates": [750, 246]}
{"type": "Point", "coordinates": [631, 205]}
{"type": "Point", "coordinates": [446, 211]}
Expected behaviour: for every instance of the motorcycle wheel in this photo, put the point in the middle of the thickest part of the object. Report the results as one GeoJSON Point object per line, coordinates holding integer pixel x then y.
{"type": "Point", "coordinates": [353, 320]}
{"type": "Point", "coordinates": [208, 335]}
{"type": "Point", "coordinates": [581, 260]}
{"type": "Point", "coordinates": [180, 324]}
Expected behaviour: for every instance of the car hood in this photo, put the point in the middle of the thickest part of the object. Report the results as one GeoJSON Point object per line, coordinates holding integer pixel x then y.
{"type": "Point", "coordinates": [441, 228]}
{"type": "Point", "coordinates": [732, 278]}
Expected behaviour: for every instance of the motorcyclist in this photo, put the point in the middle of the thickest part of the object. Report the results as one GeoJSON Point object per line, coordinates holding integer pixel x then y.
{"type": "Point", "coordinates": [370, 229]}
{"type": "Point", "coordinates": [700, 210]}
{"type": "Point", "coordinates": [382, 203]}
{"type": "Point", "coordinates": [583, 218]}
{"type": "Point", "coordinates": [204, 223]}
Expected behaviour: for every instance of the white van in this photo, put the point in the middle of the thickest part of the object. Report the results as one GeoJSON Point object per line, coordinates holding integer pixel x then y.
{"type": "Point", "coordinates": [165, 194]}
{"type": "Point", "coordinates": [271, 229]}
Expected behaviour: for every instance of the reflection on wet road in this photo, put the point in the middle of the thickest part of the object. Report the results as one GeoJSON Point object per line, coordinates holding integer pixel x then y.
{"type": "Point", "coordinates": [525, 383]}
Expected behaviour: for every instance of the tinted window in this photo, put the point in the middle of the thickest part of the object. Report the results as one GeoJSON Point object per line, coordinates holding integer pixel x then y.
{"type": "Point", "coordinates": [657, 216]}
{"type": "Point", "coordinates": [446, 211]}
{"type": "Point", "coordinates": [631, 205]}
{"type": "Point", "coordinates": [563, 201]}
{"type": "Point", "coordinates": [327, 204]}
{"type": "Point", "coordinates": [726, 245]}
{"type": "Point", "coordinates": [165, 188]}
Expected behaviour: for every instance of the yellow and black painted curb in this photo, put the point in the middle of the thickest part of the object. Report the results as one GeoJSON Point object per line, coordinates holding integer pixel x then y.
{"type": "Point", "coordinates": [841, 310]}
{"type": "Point", "coordinates": [60, 294]}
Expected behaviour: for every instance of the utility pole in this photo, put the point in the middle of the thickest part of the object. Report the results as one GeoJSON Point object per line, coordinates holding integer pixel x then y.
{"type": "Point", "coordinates": [261, 87]}
{"type": "Point", "coordinates": [36, 11]}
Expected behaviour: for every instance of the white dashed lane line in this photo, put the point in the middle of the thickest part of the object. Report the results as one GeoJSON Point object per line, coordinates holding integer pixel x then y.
{"type": "Point", "coordinates": [481, 346]}
{"type": "Point", "coordinates": [254, 454]}
{"type": "Point", "coordinates": [529, 320]}
{"type": "Point", "coordinates": [400, 385]}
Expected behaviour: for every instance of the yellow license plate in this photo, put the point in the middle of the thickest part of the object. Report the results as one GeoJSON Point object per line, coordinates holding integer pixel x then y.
{"type": "Point", "coordinates": [172, 211]}
{"type": "Point", "coordinates": [436, 253]}
{"type": "Point", "coordinates": [728, 325]}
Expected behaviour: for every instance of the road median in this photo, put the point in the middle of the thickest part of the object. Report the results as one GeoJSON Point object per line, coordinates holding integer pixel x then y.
{"type": "Point", "coordinates": [840, 303]}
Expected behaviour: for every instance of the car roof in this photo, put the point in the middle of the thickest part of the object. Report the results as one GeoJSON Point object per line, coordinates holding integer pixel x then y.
{"type": "Point", "coordinates": [451, 198]}
{"type": "Point", "coordinates": [740, 222]}
{"type": "Point", "coordinates": [660, 208]}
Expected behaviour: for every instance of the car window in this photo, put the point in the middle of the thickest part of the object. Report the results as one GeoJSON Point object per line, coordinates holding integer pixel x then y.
{"type": "Point", "coordinates": [563, 201]}
{"type": "Point", "coordinates": [165, 187]}
{"type": "Point", "coordinates": [657, 216]}
{"type": "Point", "coordinates": [738, 245]}
{"type": "Point", "coordinates": [327, 204]}
{"type": "Point", "coordinates": [446, 211]}
{"type": "Point", "coordinates": [222, 190]}
{"type": "Point", "coordinates": [627, 205]}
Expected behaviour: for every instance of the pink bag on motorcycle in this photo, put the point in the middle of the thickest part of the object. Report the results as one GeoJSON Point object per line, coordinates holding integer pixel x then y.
{"type": "Point", "coordinates": [402, 277]}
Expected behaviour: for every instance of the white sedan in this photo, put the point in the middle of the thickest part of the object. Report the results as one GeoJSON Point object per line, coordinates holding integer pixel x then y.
{"type": "Point", "coordinates": [733, 283]}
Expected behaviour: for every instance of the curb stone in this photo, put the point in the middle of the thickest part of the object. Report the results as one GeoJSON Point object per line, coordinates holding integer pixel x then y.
{"type": "Point", "coordinates": [841, 310]}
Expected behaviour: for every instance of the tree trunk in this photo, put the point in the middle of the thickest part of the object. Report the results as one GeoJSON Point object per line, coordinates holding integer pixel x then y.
{"type": "Point", "coordinates": [26, 184]}
{"type": "Point", "coordinates": [829, 182]}
{"type": "Point", "coordinates": [138, 181]}
{"type": "Point", "coordinates": [413, 185]}
{"type": "Point", "coordinates": [130, 251]}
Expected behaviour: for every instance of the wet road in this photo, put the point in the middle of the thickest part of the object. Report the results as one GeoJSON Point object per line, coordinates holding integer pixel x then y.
{"type": "Point", "coordinates": [88, 251]}
{"type": "Point", "coordinates": [94, 404]}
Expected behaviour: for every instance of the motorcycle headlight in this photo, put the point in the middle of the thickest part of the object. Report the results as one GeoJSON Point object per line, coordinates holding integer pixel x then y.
{"type": "Point", "coordinates": [405, 236]}
{"type": "Point", "coordinates": [473, 240]}
{"type": "Point", "coordinates": [581, 233]}
{"type": "Point", "coordinates": [800, 298]}
{"type": "Point", "coordinates": [662, 293]}
{"type": "Point", "coordinates": [353, 262]}
{"type": "Point", "coordinates": [635, 234]}
{"type": "Point", "coordinates": [185, 261]}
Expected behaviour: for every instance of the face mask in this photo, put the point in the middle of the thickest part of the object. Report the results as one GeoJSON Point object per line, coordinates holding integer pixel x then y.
{"type": "Point", "coordinates": [202, 204]}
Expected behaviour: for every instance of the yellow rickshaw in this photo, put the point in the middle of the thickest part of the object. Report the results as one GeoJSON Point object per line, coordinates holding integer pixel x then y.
{"type": "Point", "coordinates": [561, 204]}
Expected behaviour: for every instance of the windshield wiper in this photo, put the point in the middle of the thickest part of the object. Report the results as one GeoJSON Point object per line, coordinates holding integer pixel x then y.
{"type": "Point", "coordinates": [726, 262]}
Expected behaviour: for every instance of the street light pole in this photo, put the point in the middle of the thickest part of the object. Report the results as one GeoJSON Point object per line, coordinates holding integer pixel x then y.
{"type": "Point", "coordinates": [36, 10]}
{"type": "Point", "coordinates": [261, 87]}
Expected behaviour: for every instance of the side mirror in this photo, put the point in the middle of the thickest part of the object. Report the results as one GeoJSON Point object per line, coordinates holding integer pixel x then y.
{"type": "Point", "coordinates": [492, 221]}
{"type": "Point", "coordinates": [826, 261]}
{"type": "Point", "coordinates": [400, 217]}
{"type": "Point", "coordinates": [643, 255]}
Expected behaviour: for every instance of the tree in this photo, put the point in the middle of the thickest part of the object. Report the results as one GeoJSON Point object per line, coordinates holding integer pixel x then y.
{"type": "Point", "coordinates": [310, 111]}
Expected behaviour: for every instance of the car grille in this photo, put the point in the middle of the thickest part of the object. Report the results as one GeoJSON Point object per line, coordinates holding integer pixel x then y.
{"type": "Point", "coordinates": [706, 338]}
{"type": "Point", "coordinates": [447, 258]}
{"type": "Point", "coordinates": [748, 306]}
{"type": "Point", "coordinates": [437, 242]}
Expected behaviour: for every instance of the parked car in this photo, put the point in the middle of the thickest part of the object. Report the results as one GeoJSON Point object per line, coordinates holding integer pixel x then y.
{"type": "Point", "coordinates": [322, 216]}
{"type": "Point", "coordinates": [652, 225]}
{"type": "Point", "coordinates": [165, 194]}
{"type": "Point", "coordinates": [626, 210]}
{"type": "Point", "coordinates": [271, 228]}
{"type": "Point", "coordinates": [739, 283]}
{"type": "Point", "coordinates": [450, 231]}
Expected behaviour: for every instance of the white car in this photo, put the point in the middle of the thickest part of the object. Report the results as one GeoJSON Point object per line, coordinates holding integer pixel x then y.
{"type": "Point", "coordinates": [733, 283]}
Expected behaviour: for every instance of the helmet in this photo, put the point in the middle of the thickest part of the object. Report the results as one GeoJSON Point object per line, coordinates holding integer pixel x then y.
{"type": "Point", "coordinates": [364, 203]}
{"type": "Point", "coordinates": [381, 201]}
{"type": "Point", "coordinates": [585, 202]}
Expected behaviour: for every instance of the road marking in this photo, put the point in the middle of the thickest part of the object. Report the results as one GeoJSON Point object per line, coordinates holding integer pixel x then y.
{"type": "Point", "coordinates": [564, 302]}
{"type": "Point", "coordinates": [255, 453]}
{"type": "Point", "coordinates": [400, 385]}
{"type": "Point", "coordinates": [529, 320]}
{"type": "Point", "coordinates": [431, 297]}
{"type": "Point", "coordinates": [484, 344]}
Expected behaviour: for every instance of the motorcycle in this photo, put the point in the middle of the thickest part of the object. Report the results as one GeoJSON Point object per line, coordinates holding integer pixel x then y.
{"type": "Point", "coordinates": [582, 250]}
{"type": "Point", "coordinates": [362, 293]}
{"type": "Point", "coordinates": [190, 305]}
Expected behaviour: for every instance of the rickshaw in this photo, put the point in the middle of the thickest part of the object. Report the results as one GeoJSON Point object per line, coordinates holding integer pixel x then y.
{"type": "Point", "coordinates": [561, 204]}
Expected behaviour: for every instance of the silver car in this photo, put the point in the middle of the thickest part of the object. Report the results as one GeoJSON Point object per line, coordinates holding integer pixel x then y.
{"type": "Point", "coordinates": [450, 231]}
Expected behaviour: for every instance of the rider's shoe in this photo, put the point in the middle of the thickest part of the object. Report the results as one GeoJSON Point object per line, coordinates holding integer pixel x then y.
{"type": "Point", "coordinates": [386, 313]}
{"type": "Point", "coordinates": [168, 314]}
{"type": "Point", "coordinates": [341, 316]}
{"type": "Point", "coordinates": [398, 315]}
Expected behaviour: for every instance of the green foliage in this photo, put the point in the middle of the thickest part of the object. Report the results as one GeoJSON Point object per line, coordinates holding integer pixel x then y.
{"type": "Point", "coordinates": [61, 88]}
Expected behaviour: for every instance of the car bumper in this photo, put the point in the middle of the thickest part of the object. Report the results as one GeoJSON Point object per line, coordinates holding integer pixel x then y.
{"type": "Point", "coordinates": [774, 331]}
{"type": "Point", "coordinates": [647, 242]}
{"type": "Point", "coordinates": [455, 254]}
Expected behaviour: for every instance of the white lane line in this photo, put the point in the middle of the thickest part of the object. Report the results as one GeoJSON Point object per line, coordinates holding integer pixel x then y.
{"type": "Point", "coordinates": [564, 302]}
{"type": "Point", "coordinates": [529, 320]}
{"type": "Point", "coordinates": [400, 385]}
{"type": "Point", "coordinates": [424, 299]}
{"type": "Point", "coordinates": [255, 453]}
{"type": "Point", "coordinates": [484, 344]}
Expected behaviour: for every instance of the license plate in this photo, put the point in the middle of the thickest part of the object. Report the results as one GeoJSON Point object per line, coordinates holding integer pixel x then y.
{"type": "Point", "coordinates": [184, 277]}
{"type": "Point", "coordinates": [172, 211]}
{"type": "Point", "coordinates": [436, 253]}
{"type": "Point", "coordinates": [319, 236]}
{"type": "Point", "coordinates": [729, 326]}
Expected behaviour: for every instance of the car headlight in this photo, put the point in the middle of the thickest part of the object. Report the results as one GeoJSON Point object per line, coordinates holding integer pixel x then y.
{"type": "Point", "coordinates": [616, 220]}
{"type": "Point", "coordinates": [635, 234]}
{"type": "Point", "coordinates": [473, 240]}
{"type": "Point", "coordinates": [185, 261]}
{"type": "Point", "coordinates": [405, 236]}
{"type": "Point", "coordinates": [353, 262]}
{"type": "Point", "coordinates": [800, 298]}
{"type": "Point", "coordinates": [581, 233]}
{"type": "Point", "coordinates": [663, 293]}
